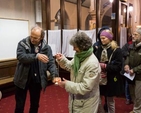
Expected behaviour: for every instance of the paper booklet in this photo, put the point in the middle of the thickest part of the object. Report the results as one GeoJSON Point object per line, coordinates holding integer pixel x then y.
{"type": "Point", "coordinates": [131, 77]}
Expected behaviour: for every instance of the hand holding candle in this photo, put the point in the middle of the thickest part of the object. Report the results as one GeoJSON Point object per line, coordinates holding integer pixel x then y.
{"type": "Point", "coordinates": [56, 80]}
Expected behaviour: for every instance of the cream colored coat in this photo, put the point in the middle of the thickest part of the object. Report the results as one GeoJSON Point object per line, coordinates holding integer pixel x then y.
{"type": "Point", "coordinates": [85, 83]}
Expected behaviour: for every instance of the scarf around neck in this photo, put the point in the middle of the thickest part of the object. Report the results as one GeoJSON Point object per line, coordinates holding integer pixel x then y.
{"type": "Point", "coordinates": [79, 57]}
{"type": "Point", "coordinates": [104, 56]}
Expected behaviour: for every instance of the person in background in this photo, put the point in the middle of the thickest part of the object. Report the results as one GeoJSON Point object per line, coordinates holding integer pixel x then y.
{"type": "Point", "coordinates": [95, 47]}
{"type": "Point", "coordinates": [98, 42]}
{"type": "Point", "coordinates": [84, 69]}
{"type": "Point", "coordinates": [114, 79]}
{"type": "Point", "coordinates": [125, 52]}
{"type": "Point", "coordinates": [34, 59]}
{"type": "Point", "coordinates": [133, 66]}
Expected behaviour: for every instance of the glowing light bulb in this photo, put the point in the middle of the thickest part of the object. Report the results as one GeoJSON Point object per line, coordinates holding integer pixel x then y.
{"type": "Point", "coordinates": [111, 1]}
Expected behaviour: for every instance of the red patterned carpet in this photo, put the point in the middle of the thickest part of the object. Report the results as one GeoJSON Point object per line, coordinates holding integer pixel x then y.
{"type": "Point", "coordinates": [54, 100]}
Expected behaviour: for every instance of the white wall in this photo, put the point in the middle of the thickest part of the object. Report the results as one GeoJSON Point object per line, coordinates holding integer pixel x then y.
{"type": "Point", "coordinates": [18, 9]}
{"type": "Point", "coordinates": [21, 18]}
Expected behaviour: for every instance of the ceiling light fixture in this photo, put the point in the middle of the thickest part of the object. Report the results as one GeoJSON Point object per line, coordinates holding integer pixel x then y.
{"type": "Point", "coordinates": [111, 1]}
{"type": "Point", "coordinates": [130, 7]}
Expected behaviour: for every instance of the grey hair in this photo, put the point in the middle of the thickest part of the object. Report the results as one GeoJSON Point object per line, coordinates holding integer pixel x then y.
{"type": "Point", "coordinates": [81, 40]}
{"type": "Point", "coordinates": [36, 27]}
{"type": "Point", "coordinates": [138, 30]}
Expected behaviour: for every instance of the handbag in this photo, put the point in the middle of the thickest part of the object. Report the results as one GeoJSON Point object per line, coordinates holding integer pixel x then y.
{"type": "Point", "coordinates": [103, 74]}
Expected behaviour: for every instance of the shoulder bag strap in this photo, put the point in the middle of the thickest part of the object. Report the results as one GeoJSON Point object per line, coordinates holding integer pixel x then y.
{"type": "Point", "coordinates": [111, 55]}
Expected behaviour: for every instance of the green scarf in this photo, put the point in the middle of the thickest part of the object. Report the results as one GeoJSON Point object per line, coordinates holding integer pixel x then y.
{"type": "Point", "coordinates": [79, 57]}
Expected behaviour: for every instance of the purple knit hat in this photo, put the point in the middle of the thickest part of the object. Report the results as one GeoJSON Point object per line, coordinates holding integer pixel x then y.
{"type": "Point", "coordinates": [106, 34]}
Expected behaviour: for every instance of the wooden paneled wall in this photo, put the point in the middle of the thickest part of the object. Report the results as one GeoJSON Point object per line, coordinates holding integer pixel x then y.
{"type": "Point", "coordinates": [7, 70]}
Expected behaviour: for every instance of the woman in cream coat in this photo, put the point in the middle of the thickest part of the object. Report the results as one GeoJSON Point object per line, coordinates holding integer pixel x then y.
{"type": "Point", "coordinates": [84, 68]}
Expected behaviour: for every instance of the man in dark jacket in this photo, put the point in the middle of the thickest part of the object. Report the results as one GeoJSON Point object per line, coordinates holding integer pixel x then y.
{"type": "Point", "coordinates": [34, 59]}
{"type": "Point", "coordinates": [133, 67]}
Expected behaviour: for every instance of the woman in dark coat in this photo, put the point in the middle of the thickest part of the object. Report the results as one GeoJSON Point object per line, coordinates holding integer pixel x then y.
{"type": "Point", "coordinates": [109, 48]}
{"type": "Point", "coordinates": [95, 47]}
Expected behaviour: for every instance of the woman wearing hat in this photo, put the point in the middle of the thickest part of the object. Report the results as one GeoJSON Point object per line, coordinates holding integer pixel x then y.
{"type": "Point", "coordinates": [109, 48]}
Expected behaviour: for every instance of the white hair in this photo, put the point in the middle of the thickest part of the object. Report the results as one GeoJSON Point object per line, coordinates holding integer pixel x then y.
{"type": "Point", "coordinates": [138, 30]}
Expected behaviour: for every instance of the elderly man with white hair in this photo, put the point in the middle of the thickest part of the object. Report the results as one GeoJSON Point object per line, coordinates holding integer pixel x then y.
{"type": "Point", "coordinates": [133, 66]}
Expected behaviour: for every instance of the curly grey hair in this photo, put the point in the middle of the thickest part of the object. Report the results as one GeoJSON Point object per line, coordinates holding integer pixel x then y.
{"type": "Point", "coordinates": [138, 30]}
{"type": "Point", "coordinates": [81, 40]}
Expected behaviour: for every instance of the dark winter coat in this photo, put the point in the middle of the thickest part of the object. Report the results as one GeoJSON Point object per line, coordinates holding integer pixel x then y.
{"type": "Point", "coordinates": [114, 85]}
{"type": "Point", "coordinates": [25, 58]}
{"type": "Point", "coordinates": [134, 60]}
